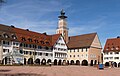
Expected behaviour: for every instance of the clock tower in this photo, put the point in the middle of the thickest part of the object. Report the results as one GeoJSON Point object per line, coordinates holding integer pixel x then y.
{"type": "Point", "coordinates": [62, 26]}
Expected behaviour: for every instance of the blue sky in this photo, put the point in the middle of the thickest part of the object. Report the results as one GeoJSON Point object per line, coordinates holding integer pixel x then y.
{"type": "Point", "coordinates": [84, 16]}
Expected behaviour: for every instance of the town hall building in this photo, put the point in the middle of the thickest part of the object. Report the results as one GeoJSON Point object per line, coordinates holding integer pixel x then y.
{"type": "Point", "coordinates": [82, 49]}
{"type": "Point", "coordinates": [23, 46]}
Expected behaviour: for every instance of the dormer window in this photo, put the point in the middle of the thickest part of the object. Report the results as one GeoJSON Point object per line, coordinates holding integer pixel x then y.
{"type": "Point", "coordinates": [113, 48]}
{"type": "Point", "coordinates": [23, 39]}
{"type": "Point", "coordinates": [36, 41]}
{"type": "Point", "coordinates": [117, 47]}
{"type": "Point", "coordinates": [42, 42]}
{"type": "Point", "coordinates": [107, 48]}
{"type": "Point", "coordinates": [47, 43]}
{"type": "Point", "coordinates": [14, 37]}
{"type": "Point", "coordinates": [6, 36]}
{"type": "Point", "coordinates": [30, 40]}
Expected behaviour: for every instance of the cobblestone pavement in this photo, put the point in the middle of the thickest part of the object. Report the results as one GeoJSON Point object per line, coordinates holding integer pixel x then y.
{"type": "Point", "coordinates": [57, 71]}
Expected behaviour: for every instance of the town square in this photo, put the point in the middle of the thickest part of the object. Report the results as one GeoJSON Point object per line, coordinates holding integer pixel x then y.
{"type": "Point", "coordinates": [59, 38]}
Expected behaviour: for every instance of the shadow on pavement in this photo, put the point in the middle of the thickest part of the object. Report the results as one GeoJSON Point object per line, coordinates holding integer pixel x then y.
{"type": "Point", "coordinates": [22, 74]}
{"type": "Point", "coordinates": [5, 70]}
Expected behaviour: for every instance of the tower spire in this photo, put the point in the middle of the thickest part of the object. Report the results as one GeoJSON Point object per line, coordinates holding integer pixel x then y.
{"type": "Point", "coordinates": [62, 26]}
{"type": "Point", "coordinates": [62, 16]}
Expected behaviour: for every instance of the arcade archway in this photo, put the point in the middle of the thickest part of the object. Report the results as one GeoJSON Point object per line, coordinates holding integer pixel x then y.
{"type": "Point", "coordinates": [85, 63]}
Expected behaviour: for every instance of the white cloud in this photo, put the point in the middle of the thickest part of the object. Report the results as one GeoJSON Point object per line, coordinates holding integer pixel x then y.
{"type": "Point", "coordinates": [31, 14]}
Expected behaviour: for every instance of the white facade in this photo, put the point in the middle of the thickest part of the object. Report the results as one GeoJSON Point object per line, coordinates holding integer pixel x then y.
{"type": "Point", "coordinates": [14, 53]}
{"type": "Point", "coordinates": [10, 52]}
{"type": "Point", "coordinates": [111, 57]}
{"type": "Point", "coordinates": [44, 54]}
{"type": "Point", "coordinates": [60, 50]}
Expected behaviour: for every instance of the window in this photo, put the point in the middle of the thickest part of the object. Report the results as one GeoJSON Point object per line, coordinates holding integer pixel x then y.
{"type": "Point", "coordinates": [78, 50]}
{"type": "Point", "coordinates": [36, 41]}
{"type": "Point", "coordinates": [106, 58]}
{"type": "Point", "coordinates": [78, 55]}
{"type": "Point", "coordinates": [30, 40]}
{"type": "Point", "coordinates": [30, 45]}
{"type": "Point", "coordinates": [30, 53]}
{"type": "Point", "coordinates": [26, 52]}
{"type": "Point", "coordinates": [106, 53]}
{"type": "Point", "coordinates": [21, 51]}
{"type": "Point", "coordinates": [73, 55]}
{"type": "Point", "coordinates": [14, 37]}
{"type": "Point", "coordinates": [21, 44]}
{"type": "Point", "coordinates": [60, 39]}
{"type": "Point", "coordinates": [110, 52]}
{"type": "Point", "coordinates": [116, 58]}
{"type": "Point", "coordinates": [5, 50]}
{"type": "Point", "coordinates": [46, 54]}
{"type": "Point", "coordinates": [70, 56]}
{"type": "Point", "coordinates": [70, 51]}
{"type": "Point", "coordinates": [6, 42]}
{"type": "Point", "coordinates": [40, 53]}
{"type": "Point", "coordinates": [39, 47]}
{"type": "Point", "coordinates": [65, 50]}
{"type": "Point", "coordinates": [15, 44]}
{"type": "Point", "coordinates": [86, 49]}
{"type": "Point", "coordinates": [26, 45]}
{"type": "Point", "coordinates": [6, 36]}
{"type": "Point", "coordinates": [82, 50]}
{"type": "Point", "coordinates": [116, 52]}
{"type": "Point", "coordinates": [23, 39]}
{"type": "Point", "coordinates": [46, 48]}
{"type": "Point", "coordinates": [47, 43]}
{"type": "Point", "coordinates": [74, 50]}
{"type": "Point", "coordinates": [111, 57]}
{"type": "Point", "coordinates": [42, 42]}
{"type": "Point", "coordinates": [3, 42]}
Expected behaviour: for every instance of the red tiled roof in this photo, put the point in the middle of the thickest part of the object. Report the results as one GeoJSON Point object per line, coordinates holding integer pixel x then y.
{"type": "Point", "coordinates": [20, 33]}
{"type": "Point", "coordinates": [42, 39]}
{"type": "Point", "coordinates": [55, 38]}
{"type": "Point", "coordinates": [112, 45]}
{"type": "Point", "coordinates": [81, 41]}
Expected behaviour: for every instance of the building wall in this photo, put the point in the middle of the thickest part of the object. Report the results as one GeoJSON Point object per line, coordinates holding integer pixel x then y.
{"type": "Point", "coordinates": [1, 51]}
{"type": "Point", "coordinates": [94, 54]}
{"type": "Point", "coordinates": [95, 51]}
{"type": "Point", "coordinates": [77, 54]}
{"type": "Point", "coordinates": [27, 56]}
{"type": "Point", "coordinates": [43, 56]}
{"type": "Point", "coordinates": [60, 50]}
{"type": "Point", "coordinates": [111, 57]}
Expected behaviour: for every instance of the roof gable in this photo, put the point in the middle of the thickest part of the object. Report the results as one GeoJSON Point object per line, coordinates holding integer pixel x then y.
{"type": "Point", "coordinates": [96, 42]}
